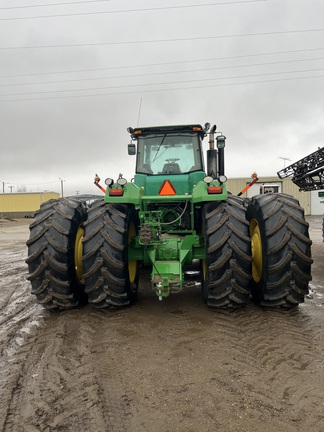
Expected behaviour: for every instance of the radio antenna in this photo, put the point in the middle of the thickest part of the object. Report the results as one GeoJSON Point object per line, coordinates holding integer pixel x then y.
{"type": "Point", "coordinates": [139, 111]}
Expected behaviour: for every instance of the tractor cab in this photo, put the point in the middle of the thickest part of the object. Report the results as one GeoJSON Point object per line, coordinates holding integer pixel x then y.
{"type": "Point", "coordinates": [174, 151]}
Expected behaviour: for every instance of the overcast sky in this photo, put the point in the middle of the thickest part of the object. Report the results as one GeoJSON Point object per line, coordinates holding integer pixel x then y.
{"type": "Point", "coordinates": [75, 74]}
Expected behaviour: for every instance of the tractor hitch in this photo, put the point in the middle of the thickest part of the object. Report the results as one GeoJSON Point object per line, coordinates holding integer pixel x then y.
{"type": "Point", "coordinates": [162, 289]}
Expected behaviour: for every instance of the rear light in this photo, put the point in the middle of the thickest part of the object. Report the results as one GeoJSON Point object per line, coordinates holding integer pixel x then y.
{"type": "Point", "coordinates": [215, 189]}
{"type": "Point", "coordinates": [121, 181]}
{"type": "Point", "coordinates": [109, 181]}
{"type": "Point", "coordinates": [116, 192]}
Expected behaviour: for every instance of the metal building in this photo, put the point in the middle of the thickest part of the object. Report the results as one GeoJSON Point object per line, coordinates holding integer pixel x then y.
{"type": "Point", "coordinates": [25, 204]}
{"type": "Point", "coordinates": [21, 205]}
{"type": "Point", "coordinates": [273, 184]}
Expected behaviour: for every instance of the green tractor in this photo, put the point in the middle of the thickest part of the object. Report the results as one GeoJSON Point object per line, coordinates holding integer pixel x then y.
{"type": "Point", "coordinates": [171, 215]}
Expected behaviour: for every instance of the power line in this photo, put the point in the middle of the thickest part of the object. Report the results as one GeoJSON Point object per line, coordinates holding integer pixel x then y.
{"type": "Point", "coordinates": [152, 41]}
{"type": "Point", "coordinates": [162, 73]}
{"type": "Point", "coordinates": [131, 10]}
{"type": "Point", "coordinates": [162, 64]}
{"type": "Point", "coordinates": [161, 83]}
{"type": "Point", "coordinates": [33, 184]}
{"type": "Point", "coordinates": [53, 4]}
{"type": "Point", "coordinates": [162, 90]}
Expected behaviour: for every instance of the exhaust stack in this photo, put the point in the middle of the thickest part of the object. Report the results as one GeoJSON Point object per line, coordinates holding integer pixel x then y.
{"type": "Point", "coordinates": [221, 159]}
{"type": "Point", "coordinates": [212, 154]}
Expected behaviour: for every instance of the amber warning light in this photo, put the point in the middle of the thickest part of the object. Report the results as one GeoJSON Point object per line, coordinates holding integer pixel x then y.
{"type": "Point", "coordinates": [215, 189]}
{"type": "Point", "coordinates": [116, 192]}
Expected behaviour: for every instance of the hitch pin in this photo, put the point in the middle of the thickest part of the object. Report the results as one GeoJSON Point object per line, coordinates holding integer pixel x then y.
{"type": "Point", "coordinates": [159, 290]}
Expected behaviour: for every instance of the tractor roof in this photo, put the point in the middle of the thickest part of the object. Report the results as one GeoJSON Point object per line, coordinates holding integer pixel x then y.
{"type": "Point", "coordinates": [166, 129]}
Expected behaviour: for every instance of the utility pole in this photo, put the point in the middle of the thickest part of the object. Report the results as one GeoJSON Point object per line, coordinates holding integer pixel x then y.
{"type": "Point", "coordinates": [3, 183]}
{"type": "Point", "coordinates": [62, 194]}
{"type": "Point", "coordinates": [11, 187]}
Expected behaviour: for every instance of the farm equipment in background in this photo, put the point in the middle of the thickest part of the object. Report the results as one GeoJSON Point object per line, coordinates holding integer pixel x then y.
{"type": "Point", "coordinates": [307, 173]}
{"type": "Point", "coordinates": [172, 214]}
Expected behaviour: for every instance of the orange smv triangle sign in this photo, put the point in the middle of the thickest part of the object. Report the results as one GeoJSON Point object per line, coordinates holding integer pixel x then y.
{"type": "Point", "coordinates": [167, 188]}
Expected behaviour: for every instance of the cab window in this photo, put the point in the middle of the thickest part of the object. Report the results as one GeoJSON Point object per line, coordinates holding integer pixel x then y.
{"type": "Point", "coordinates": [168, 154]}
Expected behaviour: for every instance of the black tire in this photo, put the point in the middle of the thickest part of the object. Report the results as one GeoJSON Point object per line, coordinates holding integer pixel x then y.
{"type": "Point", "coordinates": [281, 250]}
{"type": "Point", "coordinates": [51, 260]}
{"type": "Point", "coordinates": [111, 280]}
{"type": "Point", "coordinates": [226, 271]}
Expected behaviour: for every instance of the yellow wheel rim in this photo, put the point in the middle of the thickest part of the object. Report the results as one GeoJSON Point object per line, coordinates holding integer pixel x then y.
{"type": "Point", "coordinates": [78, 252]}
{"type": "Point", "coordinates": [256, 245]}
{"type": "Point", "coordinates": [132, 264]}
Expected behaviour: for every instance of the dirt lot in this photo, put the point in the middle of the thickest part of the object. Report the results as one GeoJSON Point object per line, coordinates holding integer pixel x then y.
{"type": "Point", "coordinates": [163, 366]}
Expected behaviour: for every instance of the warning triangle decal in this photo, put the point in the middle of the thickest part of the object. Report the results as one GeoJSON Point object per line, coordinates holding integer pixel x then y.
{"type": "Point", "coordinates": [167, 189]}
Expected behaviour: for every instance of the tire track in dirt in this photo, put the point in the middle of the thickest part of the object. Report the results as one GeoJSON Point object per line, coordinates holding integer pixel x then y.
{"type": "Point", "coordinates": [236, 371]}
{"type": "Point", "coordinates": [285, 349]}
{"type": "Point", "coordinates": [18, 321]}
{"type": "Point", "coordinates": [160, 338]}
{"type": "Point", "coordinates": [268, 359]}
{"type": "Point", "coordinates": [16, 342]}
{"type": "Point", "coordinates": [13, 270]}
{"type": "Point", "coordinates": [186, 343]}
{"type": "Point", "coordinates": [108, 351]}
{"type": "Point", "coordinates": [71, 379]}
{"type": "Point", "coordinates": [18, 311]}
{"type": "Point", "coordinates": [57, 389]}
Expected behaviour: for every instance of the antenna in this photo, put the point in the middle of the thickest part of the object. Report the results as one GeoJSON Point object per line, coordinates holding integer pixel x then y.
{"type": "Point", "coordinates": [139, 112]}
{"type": "Point", "coordinates": [284, 159]}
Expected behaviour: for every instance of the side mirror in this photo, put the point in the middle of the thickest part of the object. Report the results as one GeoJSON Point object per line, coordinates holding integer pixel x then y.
{"type": "Point", "coordinates": [131, 149]}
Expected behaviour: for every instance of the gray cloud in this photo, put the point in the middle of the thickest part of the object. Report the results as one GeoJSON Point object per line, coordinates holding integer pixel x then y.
{"type": "Point", "coordinates": [71, 137]}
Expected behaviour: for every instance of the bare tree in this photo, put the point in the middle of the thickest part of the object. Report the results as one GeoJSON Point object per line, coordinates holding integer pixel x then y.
{"type": "Point", "coordinates": [22, 189]}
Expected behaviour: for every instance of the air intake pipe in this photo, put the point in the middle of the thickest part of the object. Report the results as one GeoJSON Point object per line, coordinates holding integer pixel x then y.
{"type": "Point", "coordinates": [212, 154]}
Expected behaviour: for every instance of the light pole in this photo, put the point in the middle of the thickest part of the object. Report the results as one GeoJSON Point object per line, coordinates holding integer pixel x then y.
{"type": "Point", "coordinates": [62, 194]}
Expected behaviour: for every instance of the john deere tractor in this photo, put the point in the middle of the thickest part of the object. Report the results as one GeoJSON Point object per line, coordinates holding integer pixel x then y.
{"type": "Point", "coordinates": [170, 215]}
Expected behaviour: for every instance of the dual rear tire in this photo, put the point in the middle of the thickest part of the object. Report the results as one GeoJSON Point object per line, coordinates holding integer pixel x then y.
{"type": "Point", "coordinates": [258, 248]}
{"type": "Point", "coordinates": [226, 270]}
{"type": "Point", "coordinates": [281, 254]}
{"type": "Point", "coordinates": [75, 256]}
{"type": "Point", "coordinates": [53, 254]}
{"type": "Point", "coordinates": [111, 279]}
